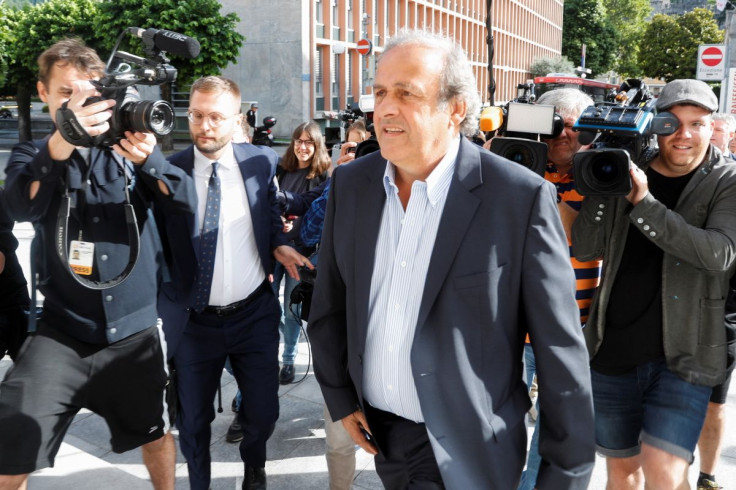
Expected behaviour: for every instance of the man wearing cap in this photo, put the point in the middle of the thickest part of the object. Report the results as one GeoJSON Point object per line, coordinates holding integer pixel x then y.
{"type": "Point", "coordinates": [655, 332]}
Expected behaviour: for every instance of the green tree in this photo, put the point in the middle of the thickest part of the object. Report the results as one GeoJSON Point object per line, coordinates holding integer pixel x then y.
{"type": "Point", "coordinates": [670, 47]}
{"type": "Point", "coordinates": [200, 19]}
{"type": "Point", "coordinates": [629, 19]}
{"type": "Point", "coordinates": [551, 64]}
{"type": "Point", "coordinates": [585, 22]}
{"type": "Point", "coordinates": [35, 28]}
{"type": "Point", "coordinates": [4, 41]}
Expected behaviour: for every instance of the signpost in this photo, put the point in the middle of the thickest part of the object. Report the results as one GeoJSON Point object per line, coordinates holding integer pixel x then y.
{"type": "Point", "coordinates": [711, 62]}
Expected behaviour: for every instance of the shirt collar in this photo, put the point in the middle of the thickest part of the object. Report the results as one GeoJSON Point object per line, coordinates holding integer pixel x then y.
{"type": "Point", "coordinates": [226, 160]}
{"type": "Point", "coordinates": [438, 180]}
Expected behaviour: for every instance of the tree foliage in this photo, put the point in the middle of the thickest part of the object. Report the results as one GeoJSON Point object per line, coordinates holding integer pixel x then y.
{"type": "Point", "coordinates": [585, 22]}
{"type": "Point", "coordinates": [629, 19]}
{"type": "Point", "coordinates": [551, 64]}
{"type": "Point", "coordinates": [26, 32]}
{"type": "Point", "coordinates": [200, 19]}
{"type": "Point", "coordinates": [35, 28]}
{"type": "Point", "coordinates": [670, 47]}
{"type": "Point", "coordinates": [4, 41]}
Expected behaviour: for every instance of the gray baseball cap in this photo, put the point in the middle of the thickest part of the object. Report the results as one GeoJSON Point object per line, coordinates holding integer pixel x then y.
{"type": "Point", "coordinates": [687, 91]}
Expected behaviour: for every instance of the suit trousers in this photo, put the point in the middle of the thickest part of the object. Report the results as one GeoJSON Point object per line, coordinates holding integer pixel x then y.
{"type": "Point", "coordinates": [250, 338]}
{"type": "Point", "coordinates": [405, 457]}
{"type": "Point", "coordinates": [340, 454]}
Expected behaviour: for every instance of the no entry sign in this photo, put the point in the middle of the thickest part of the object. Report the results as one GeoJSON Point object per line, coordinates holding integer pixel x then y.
{"type": "Point", "coordinates": [711, 62]}
{"type": "Point", "coordinates": [712, 56]}
{"type": "Point", "coordinates": [365, 47]}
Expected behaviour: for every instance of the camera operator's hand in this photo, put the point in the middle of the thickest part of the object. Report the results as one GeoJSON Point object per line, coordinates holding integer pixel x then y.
{"type": "Point", "coordinates": [639, 185]}
{"type": "Point", "coordinates": [345, 154]}
{"type": "Point", "coordinates": [136, 146]}
{"type": "Point", "coordinates": [93, 117]}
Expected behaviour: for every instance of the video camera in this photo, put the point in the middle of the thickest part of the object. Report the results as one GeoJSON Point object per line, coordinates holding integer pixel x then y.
{"type": "Point", "coordinates": [366, 104]}
{"type": "Point", "coordinates": [620, 131]}
{"type": "Point", "coordinates": [521, 123]}
{"type": "Point", "coordinates": [130, 113]}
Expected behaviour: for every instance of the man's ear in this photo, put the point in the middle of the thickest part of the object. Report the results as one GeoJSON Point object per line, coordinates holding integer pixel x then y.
{"type": "Point", "coordinates": [42, 92]}
{"type": "Point", "coordinates": [459, 110]}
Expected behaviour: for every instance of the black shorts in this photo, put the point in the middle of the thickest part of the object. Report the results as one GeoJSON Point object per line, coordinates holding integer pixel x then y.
{"type": "Point", "coordinates": [55, 376]}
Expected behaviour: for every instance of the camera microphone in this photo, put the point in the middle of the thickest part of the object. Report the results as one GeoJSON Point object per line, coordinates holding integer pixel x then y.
{"type": "Point", "coordinates": [169, 41]}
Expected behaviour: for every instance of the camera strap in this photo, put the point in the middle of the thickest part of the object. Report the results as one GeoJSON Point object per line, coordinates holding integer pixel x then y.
{"type": "Point", "coordinates": [70, 129]}
{"type": "Point", "coordinates": [62, 227]}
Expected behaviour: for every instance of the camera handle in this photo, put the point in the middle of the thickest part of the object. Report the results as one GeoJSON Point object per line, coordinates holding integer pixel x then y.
{"type": "Point", "coordinates": [62, 248]}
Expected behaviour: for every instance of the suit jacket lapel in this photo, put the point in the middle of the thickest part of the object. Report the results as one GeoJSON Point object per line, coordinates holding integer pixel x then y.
{"type": "Point", "coordinates": [368, 223]}
{"type": "Point", "coordinates": [457, 215]}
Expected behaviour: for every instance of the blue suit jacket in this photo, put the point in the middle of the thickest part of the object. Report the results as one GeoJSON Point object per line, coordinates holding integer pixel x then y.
{"type": "Point", "coordinates": [180, 234]}
{"type": "Point", "coordinates": [500, 268]}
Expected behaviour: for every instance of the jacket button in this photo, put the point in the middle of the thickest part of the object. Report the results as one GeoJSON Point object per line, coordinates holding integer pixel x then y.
{"type": "Point", "coordinates": [646, 227]}
{"type": "Point", "coordinates": [640, 220]}
{"type": "Point", "coordinates": [113, 331]}
{"type": "Point", "coordinates": [108, 298]}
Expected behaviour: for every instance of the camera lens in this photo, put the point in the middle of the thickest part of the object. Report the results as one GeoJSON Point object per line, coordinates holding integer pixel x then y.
{"type": "Point", "coordinates": [148, 116]}
{"type": "Point", "coordinates": [519, 154]}
{"type": "Point", "coordinates": [604, 170]}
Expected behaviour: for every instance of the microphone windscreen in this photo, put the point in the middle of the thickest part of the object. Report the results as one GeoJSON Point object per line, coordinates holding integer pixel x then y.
{"type": "Point", "coordinates": [491, 118]}
{"type": "Point", "coordinates": [177, 44]}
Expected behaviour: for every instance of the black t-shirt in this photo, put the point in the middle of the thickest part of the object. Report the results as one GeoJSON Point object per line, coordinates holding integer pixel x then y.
{"type": "Point", "coordinates": [633, 333]}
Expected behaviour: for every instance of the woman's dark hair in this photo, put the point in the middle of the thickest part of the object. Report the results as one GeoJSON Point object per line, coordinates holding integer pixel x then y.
{"type": "Point", "coordinates": [320, 160]}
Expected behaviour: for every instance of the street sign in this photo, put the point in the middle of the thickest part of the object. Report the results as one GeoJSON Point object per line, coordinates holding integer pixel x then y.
{"type": "Point", "coordinates": [728, 93]}
{"type": "Point", "coordinates": [365, 47]}
{"type": "Point", "coordinates": [711, 62]}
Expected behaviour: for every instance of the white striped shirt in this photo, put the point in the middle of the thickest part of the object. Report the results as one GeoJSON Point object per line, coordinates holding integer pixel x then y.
{"type": "Point", "coordinates": [403, 250]}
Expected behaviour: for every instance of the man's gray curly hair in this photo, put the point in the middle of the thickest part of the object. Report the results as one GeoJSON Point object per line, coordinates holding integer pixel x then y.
{"type": "Point", "coordinates": [457, 80]}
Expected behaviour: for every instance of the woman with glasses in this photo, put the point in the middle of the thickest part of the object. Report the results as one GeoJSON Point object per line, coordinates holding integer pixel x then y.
{"type": "Point", "coordinates": [303, 167]}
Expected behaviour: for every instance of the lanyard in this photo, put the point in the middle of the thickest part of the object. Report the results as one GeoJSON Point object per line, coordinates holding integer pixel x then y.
{"type": "Point", "coordinates": [62, 227]}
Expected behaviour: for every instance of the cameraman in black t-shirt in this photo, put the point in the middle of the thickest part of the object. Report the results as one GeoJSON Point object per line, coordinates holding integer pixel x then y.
{"type": "Point", "coordinates": [655, 331]}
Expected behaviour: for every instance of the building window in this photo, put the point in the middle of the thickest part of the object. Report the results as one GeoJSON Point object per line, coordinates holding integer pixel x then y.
{"type": "Point", "coordinates": [319, 95]}
{"type": "Point", "coordinates": [349, 73]}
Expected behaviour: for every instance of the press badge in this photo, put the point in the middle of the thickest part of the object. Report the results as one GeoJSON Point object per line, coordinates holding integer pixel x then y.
{"type": "Point", "coordinates": [81, 256]}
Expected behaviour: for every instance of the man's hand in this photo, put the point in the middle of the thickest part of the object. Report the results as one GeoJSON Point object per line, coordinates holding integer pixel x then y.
{"type": "Point", "coordinates": [639, 185]}
{"type": "Point", "coordinates": [346, 156]}
{"type": "Point", "coordinates": [136, 146]}
{"type": "Point", "coordinates": [93, 118]}
{"type": "Point", "coordinates": [291, 259]}
{"type": "Point", "coordinates": [355, 424]}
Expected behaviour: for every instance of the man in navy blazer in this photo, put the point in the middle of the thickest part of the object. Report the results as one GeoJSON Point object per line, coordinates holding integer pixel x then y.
{"type": "Point", "coordinates": [218, 302]}
{"type": "Point", "coordinates": [436, 259]}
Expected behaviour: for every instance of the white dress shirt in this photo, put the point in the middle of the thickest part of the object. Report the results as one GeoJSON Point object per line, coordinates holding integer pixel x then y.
{"type": "Point", "coordinates": [403, 250]}
{"type": "Point", "coordinates": [238, 269]}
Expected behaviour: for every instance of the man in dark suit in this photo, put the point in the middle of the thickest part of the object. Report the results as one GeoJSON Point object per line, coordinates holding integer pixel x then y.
{"type": "Point", "coordinates": [433, 267]}
{"type": "Point", "coordinates": [219, 302]}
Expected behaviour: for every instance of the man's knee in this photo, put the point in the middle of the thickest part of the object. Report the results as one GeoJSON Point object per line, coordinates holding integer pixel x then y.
{"type": "Point", "coordinates": [663, 469]}
{"type": "Point", "coordinates": [13, 482]}
{"type": "Point", "coordinates": [159, 444]}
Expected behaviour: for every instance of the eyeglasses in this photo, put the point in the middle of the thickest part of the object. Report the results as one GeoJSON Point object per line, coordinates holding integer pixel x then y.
{"type": "Point", "coordinates": [214, 118]}
{"type": "Point", "coordinates": [308, 143]}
